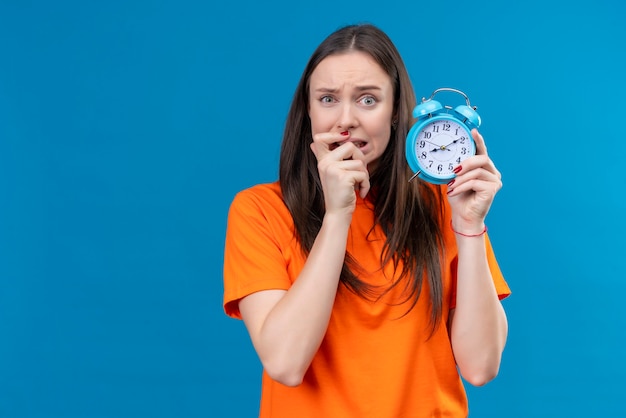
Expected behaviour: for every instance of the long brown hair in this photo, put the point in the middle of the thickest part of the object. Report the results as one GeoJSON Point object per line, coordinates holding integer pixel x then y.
{"type": "Point", "coordinates": [408, 212]}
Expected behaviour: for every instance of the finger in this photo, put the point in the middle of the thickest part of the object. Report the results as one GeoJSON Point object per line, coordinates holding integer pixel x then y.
{"type": "Point", "coordinates": [349, 151]}
{"type": "Point", "coordinates": [364, 186]}
{"type": "Point", "coordinates": [480, 173]}
{"type": "Point", "coordinates": [360, 181]}
{"type": "Point", "coordinates": [344, 165]}
{"type": "Point", "coordinates": [481, 147]}
{"type": "Point", "coordinates": [326, 142]}
{"type": "Point", "coordinates": [353, 171]}
{"type": "Point", "coordinates": [477, 162]}
{"type": "Point", "coordinates": [475, 178]}
{"type": "Point", "coordinates": [485, 189]}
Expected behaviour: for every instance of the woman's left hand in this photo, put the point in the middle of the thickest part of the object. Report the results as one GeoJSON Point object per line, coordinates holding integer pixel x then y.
{"type": "Point", "coordinates": [473, 189]}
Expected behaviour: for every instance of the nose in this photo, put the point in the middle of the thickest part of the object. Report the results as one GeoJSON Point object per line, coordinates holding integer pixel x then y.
{"type": "Point", "coordinates": [347, 117]}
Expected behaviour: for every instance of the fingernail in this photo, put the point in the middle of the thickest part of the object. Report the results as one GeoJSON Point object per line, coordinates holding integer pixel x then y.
{"type": "Point", "coordinates": [451, 183]}
{"type": "Point", "coordinates": [459, 168]}
{"type": "Point", "coordinates": [345, 133]}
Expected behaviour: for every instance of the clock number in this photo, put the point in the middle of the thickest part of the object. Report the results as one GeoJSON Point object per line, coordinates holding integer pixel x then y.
{"type": "Point", "coordinates": [435, 128]}
{"type": "Point", "coordinates": [446, 126]}
{"type": "Point", "coordinates": [451, 167]}
{"type": "Point", "coordinates": [427, 135]}
{"type": "Point", "coordinates": [423, 156]}
{"type": "Point", "coordinates": [422, 144]}
{"type": "Point", "coordinates": [463, 150]}
{"type": "Point", "coordinates": [458, 160]}
{"type": "Point", "coordinates": [430, 163]}
{"type": "Point", "coordinates": [440, 167]}
{"type": "Point", "coordinates": [462, 140]}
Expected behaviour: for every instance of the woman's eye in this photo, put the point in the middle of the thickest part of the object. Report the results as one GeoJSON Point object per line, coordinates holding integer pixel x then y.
{"type": "Point", "coordinates": [326, 99]}
{"type": "Point", "coordinates": [368, 101]}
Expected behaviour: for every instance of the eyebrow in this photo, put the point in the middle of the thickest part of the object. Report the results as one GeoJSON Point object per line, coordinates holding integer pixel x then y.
{"type": "Point", "coordinates": [359, 88]}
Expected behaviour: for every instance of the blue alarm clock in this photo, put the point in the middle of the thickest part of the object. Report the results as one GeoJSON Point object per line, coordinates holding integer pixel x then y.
{"type": "Point", "coordinates": [440, 138]}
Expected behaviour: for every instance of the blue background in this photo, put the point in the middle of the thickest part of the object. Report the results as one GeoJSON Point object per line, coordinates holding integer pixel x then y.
{"type": "Point", "coordinates": [126, 128]}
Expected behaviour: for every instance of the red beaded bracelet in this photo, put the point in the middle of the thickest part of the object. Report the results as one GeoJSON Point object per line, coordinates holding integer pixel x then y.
{"type": "Point", "coordinates": [468, 235]}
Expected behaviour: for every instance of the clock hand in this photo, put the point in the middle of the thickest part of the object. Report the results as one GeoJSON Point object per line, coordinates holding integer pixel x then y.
{"type": "Point", "coordinates": [453, 142]}
{"type": "Point", "coordinates": [440, 148]}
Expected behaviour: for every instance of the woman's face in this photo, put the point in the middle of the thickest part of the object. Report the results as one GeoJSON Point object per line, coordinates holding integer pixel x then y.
{"type": "Point", "coordinates": [351, 92]}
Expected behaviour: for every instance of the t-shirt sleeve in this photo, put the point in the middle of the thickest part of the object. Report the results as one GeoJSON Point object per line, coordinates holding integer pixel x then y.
{"type": "Point", "coordinates": [502, 287]}
{"type": "Point", "coordinates": [253, 260]}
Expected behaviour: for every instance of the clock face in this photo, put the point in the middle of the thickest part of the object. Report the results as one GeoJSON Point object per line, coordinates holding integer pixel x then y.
{"type": "Point", "coordinates": [441, 145]}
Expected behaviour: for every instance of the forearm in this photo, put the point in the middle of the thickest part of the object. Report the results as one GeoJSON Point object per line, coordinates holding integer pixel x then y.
{"type": "Point", "coordinates": [293, 330]}
{"type": "Point", "coordinates": [479, 326]}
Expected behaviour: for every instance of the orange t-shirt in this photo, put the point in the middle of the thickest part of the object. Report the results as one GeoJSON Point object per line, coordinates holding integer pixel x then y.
{"type": "Point", "coordinates": [373, 361]}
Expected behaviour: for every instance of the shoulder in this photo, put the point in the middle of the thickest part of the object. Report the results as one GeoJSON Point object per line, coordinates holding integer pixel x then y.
{"type": "Point", "coordinates": [262, 203]}
{"type": "Point", "coordinates": [269, 191]}
{"type": "Point", "coordinates": [259, 196]}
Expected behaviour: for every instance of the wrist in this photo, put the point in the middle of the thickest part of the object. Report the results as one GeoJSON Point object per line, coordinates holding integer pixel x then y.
{"type": "Point", "coordinates": [339, 219]}
{"type": "Point", "coordinates": [468, 230]}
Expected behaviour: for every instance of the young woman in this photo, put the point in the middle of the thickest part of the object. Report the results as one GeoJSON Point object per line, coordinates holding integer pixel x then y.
{"type": "Point", "coordinates": [364, 294]}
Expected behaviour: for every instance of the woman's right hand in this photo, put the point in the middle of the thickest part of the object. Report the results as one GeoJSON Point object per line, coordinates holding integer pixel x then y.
{"type": "Point", "coordinates": [274, 317]}
{"type": "Point", "coordinates": [342, 169]}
